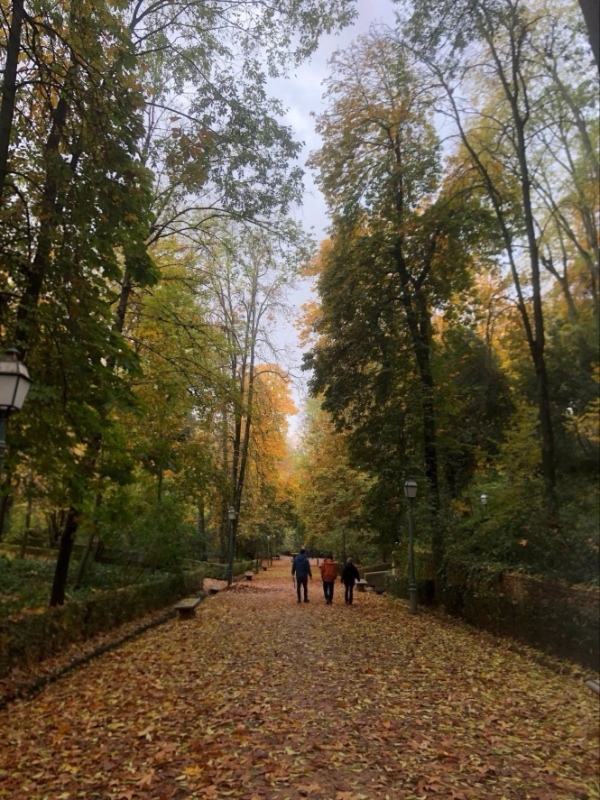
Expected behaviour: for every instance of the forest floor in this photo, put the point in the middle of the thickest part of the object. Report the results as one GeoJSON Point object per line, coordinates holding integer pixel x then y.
{"type": "Point", "coordinates": [261, 698]}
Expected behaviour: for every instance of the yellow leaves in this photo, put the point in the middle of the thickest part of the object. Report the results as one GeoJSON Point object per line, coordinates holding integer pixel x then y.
{"type": "Point", "coordinates": [192, 772]}
{"type": "Point", "coordinates": [70, 768]}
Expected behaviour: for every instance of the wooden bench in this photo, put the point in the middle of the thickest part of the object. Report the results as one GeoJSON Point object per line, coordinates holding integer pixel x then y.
{"type": "Point", "coordinates": [187, 607]}
{"type": "Point", "coordinates": [248, 575]}
{"type": "Point", "coordinates": [594, 686]}
{"type": "Point", "coordinates": [377, 580]}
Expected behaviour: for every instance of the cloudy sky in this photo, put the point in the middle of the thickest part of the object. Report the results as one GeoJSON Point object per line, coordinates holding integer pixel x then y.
{"type": "Point", "coordinates": [302, 94]}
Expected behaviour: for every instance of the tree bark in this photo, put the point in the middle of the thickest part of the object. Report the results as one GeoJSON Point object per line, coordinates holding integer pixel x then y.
{"type": "Point", "coordinates": [591, 14]}
{"type": "Point", "coordinates": [9, 88]}
{"type": "Point", "coordinates": [67, 539]}
{"type": "Point", "coordinates": [6, 499]}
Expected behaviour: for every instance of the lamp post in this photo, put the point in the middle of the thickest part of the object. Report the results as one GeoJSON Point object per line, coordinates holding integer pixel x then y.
{"type": "Point", "coordinates": [484, 502]}
{"type": "Point", "coordinates": [14, 385]}
{"type": "Point", "coordinates": [410, 491]}
{"type": "Point", "coordinates": [268, 550]}
{"type": "Point", "coordinates": [232, 515]}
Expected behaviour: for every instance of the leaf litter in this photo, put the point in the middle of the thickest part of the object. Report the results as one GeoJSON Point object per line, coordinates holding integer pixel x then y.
{"type": "Point", "coordinates": [261, 698]}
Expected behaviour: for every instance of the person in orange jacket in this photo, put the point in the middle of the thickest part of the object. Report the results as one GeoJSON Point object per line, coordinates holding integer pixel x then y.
{"type": "Point", "coordinates": [328, 575]}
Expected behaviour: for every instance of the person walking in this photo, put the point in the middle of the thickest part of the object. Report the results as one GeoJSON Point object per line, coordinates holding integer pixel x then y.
{"type": "Point", "coordinates": [328, 575]}
{"type": "Point", "coordinates": [350, 575]}
{"type": "Point", "coordinates": [301, 569]}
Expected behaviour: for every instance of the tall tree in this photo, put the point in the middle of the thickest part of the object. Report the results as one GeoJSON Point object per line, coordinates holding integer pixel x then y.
{"type": "Point", "coordinates": [247, 284]}
{"type": "Point", "coordinates": [483, 44]}
{"type": "Point", "coordinates": [400, 239]}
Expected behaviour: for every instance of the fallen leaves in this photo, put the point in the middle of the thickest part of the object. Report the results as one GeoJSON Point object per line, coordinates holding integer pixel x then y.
{"type": "Point", "coordinates": [258, 698]}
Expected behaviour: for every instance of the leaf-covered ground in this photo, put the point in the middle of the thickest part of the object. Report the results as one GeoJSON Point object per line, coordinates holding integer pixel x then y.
{"type": "Point", "coordinates": [259, 697]}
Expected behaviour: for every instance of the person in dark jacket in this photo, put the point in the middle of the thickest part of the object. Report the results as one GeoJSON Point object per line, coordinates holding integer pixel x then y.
{"type": "Point", "coordinates": [349, 577]}
{"type": "Point", "coordinates": [301, 569]}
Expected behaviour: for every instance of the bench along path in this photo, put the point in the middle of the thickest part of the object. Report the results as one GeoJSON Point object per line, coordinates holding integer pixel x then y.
{"type": "Point", "coordinates": [259, 697]}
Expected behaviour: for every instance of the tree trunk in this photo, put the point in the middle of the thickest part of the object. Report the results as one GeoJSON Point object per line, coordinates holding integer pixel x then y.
{"type": "Point", "coordinates": [537, 345]}
{"type": "Point", "coordinates": [591, 14]}
{"type": "Point", "coordinates": [27, 530]}
{"type": "Point", "coordinates": [534, 329]}
{"type": "Point", "coordinates": [159, 484]}
{"type": "Point", "coordinates": [9, 88]}
{"type": "Point", "coordinates": [201, 529]}
{"type": "Point", "coordinates": [82, 564]}
{"type": "Point", "coordinates": [24, 542]}
{"type": "Point", "coordinates": [417, 315]}
{"type": "Point", "coordinates": [201, 519]}
{"type": "Point", "coordinates": [36, 271]}
{"type": "Point", "coordinates": [67, 539]}
{"type": "Point", "coordinates": [5, 503]}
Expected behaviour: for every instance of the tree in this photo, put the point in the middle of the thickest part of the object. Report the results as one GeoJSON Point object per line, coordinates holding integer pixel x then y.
{"type": "Point", "coordinates": [484, 44]}
{"type": "Point", "coordinates": [330, 492]}
{"type": "Point", "coordinates": [213, 138]}
{"type": "Point", "coordinates": [74, 232]}
{"type": "Point", "coordinates": [401, 247]}
{"type": "Point", "coordinates": [246, 282]}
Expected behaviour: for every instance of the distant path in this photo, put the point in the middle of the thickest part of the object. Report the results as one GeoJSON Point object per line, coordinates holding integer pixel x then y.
{"type": "Point", "coordinates": [262, 699]}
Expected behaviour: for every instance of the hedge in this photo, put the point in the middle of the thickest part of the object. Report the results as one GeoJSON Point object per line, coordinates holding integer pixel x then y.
{"type": "Point", "coordinates": [32, 637]}
{"type": "Point", "coordinates": [398, 586]}
{"type": "Point", "coordinates": [560, 628]}
{"type": "Point", "coordinates": [482, 596]}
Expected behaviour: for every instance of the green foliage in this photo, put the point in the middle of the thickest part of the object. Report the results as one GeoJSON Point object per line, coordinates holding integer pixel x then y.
{"type": "Point", "coordinates": [429, 361]}
{"type": "Point", "coordinates": [25, 583]}
{"type": "Point", "coordinates": [163, 533]}
{"type": "Point", "coordinates": [515, 535]}
{"type": "Point", "coordinates": [31, 637]}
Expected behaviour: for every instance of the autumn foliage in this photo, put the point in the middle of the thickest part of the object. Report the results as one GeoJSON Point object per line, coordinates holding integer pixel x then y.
{"type": "Point", "coordinates": [261, 698]}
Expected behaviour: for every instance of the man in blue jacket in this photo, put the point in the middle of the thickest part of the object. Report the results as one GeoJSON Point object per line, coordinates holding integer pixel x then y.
{"type": "Point", "coordinates": [301, 569]}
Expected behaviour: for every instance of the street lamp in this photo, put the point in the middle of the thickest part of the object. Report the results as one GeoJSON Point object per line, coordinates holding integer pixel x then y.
{"type": "Point", "coordinates": [484, 502]}
{"type": "Point", "coordinates": [410, 491]}
{"type": "Point", "coordinates": [232, 515]}
{"type": "Point", "coordinates": [14, 385]}
{"type": "Point", "coordinates": [268, 550]}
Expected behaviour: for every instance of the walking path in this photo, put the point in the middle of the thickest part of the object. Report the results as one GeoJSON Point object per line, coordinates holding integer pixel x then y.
{"type": "Point", "coordinates": [261, 698]}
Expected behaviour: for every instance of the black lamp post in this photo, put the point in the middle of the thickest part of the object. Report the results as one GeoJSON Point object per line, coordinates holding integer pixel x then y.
{"type": "Point", "coordinates": [14, 385]}
{"type": "Point", "coordinates": [410, 491]}
{"type": "Point", "coordinates": [232, 515]}
{"type": "Point", "coordinates": [268, 550]}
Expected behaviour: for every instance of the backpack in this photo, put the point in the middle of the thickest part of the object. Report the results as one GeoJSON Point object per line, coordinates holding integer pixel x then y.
{"type": "Point", "coordinates": [329, 571]}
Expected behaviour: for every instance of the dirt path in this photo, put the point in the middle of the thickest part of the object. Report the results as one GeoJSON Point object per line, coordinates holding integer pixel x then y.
{"type": "Point", "coordinates": [260, 697]}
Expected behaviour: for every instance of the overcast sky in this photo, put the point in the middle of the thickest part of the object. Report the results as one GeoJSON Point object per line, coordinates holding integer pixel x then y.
{"type": "Point", "coordinates": [301, 94]}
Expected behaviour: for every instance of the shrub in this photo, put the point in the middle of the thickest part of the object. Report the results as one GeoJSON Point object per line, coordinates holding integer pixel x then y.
{"type": "Point", "coordinates": [34, 635]}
